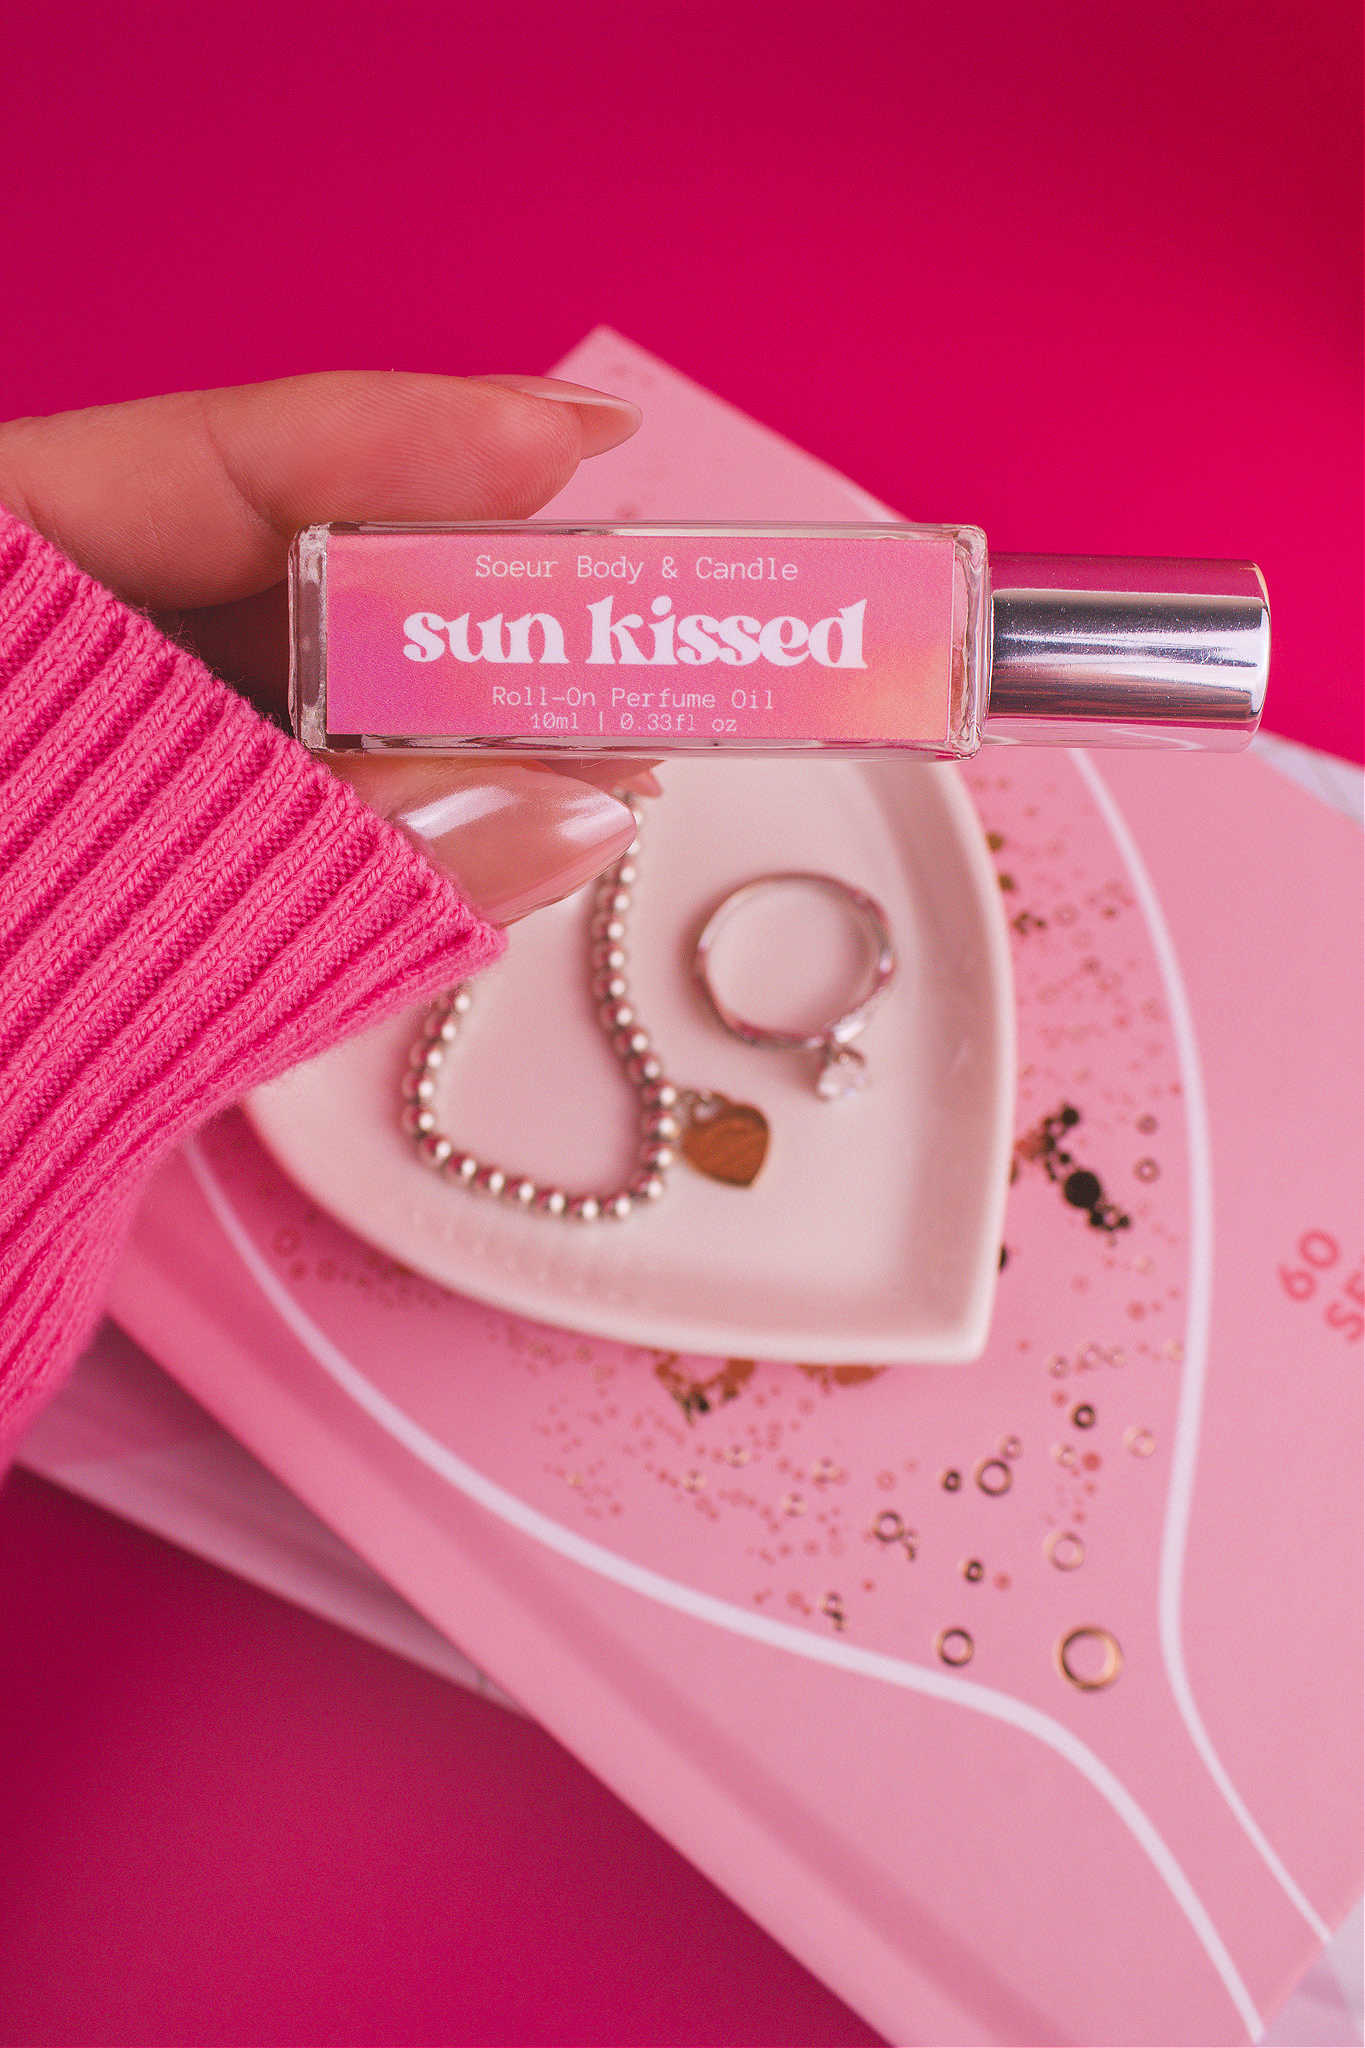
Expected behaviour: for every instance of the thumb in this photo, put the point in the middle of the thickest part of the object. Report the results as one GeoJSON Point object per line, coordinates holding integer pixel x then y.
{"type": "Point", "coordinates": [192, 499]}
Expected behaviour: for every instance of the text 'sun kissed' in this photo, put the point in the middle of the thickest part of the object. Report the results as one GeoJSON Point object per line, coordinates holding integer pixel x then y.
{"type": "Point", "coordinates": [664, 640]}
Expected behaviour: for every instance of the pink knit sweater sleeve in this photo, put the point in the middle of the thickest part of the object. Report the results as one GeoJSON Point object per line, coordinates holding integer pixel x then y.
{"type": "Point", "coordinates": [189, 904]}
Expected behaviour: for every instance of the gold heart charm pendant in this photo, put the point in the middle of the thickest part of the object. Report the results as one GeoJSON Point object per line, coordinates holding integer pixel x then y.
{"type": "Point", "coordinates": [725, 1140]}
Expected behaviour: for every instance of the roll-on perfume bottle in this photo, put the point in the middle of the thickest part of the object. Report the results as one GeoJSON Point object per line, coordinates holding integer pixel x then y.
{"type": "Point", "coordinates": [541, 637]}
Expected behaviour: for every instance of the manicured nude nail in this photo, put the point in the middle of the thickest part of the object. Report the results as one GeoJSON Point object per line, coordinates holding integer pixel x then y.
{"type": "Point", "coordinates": [515, 838]}
{"type": "Point", "coordinates": [604, 419]}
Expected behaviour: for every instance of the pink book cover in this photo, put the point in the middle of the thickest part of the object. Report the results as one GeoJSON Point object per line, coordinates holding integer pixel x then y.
{"type": "Point", "coordinates": [1021, 1700]}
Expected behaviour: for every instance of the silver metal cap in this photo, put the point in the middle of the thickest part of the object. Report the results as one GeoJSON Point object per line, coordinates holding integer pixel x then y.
{"type": "Point", "coordinates": [1094, 650]}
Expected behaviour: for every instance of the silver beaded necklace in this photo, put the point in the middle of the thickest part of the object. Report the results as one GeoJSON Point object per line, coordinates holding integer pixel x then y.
{"type": "Point", "coordinates": [722, 1139]}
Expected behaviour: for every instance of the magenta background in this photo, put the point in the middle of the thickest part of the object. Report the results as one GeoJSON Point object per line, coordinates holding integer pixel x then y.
{"type": "Point", "coordinates": [1090, 279]}
{"type": "Point", "coordinates": [900, 694]}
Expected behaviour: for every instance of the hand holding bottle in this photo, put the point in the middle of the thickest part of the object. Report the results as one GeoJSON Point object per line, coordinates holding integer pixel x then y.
{"type": "Point", "coordinates": [185, 506]}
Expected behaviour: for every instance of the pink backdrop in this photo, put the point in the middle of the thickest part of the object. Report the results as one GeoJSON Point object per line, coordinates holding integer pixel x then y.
{"type": "Point", "coordinates": [1088, 278]}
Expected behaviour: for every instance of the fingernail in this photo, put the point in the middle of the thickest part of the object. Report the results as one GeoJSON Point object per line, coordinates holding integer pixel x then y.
{"type": "Point", "coordinates": [515, 838]}
{"type": "Point", "coordinates": [604, 420]}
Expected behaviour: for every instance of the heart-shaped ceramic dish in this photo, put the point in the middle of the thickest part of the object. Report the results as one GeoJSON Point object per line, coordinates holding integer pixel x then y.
{"type": "Point", "coordinates": [871, 1234]}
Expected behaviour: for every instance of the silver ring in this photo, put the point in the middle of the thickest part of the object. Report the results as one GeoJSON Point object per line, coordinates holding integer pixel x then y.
{"type": "Point", "coordinates": [842, 1067]}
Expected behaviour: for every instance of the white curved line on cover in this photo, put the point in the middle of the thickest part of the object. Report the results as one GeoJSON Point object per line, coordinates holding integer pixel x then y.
{"type": "Point", "coordinates": [1185, 1451]}
{"type": "Point", "coordinates": [651, 1585]}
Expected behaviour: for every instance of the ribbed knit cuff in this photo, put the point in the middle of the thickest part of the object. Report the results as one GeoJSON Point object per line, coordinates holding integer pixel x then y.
{"type": "Point", "coordinates": [189, 904]}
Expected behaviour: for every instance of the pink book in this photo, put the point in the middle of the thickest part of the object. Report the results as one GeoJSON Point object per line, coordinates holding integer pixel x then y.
{"type": "Point", "coordinates": [1020, 1699]}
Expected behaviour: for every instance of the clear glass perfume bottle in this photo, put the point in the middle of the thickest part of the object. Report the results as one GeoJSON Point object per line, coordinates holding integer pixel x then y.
{"type": "Point", "coordinates": [541, 637]}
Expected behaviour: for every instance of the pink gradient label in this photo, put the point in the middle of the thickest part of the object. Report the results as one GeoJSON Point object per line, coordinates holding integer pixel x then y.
{"type": "Point", "coordinates": [671, 639]}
